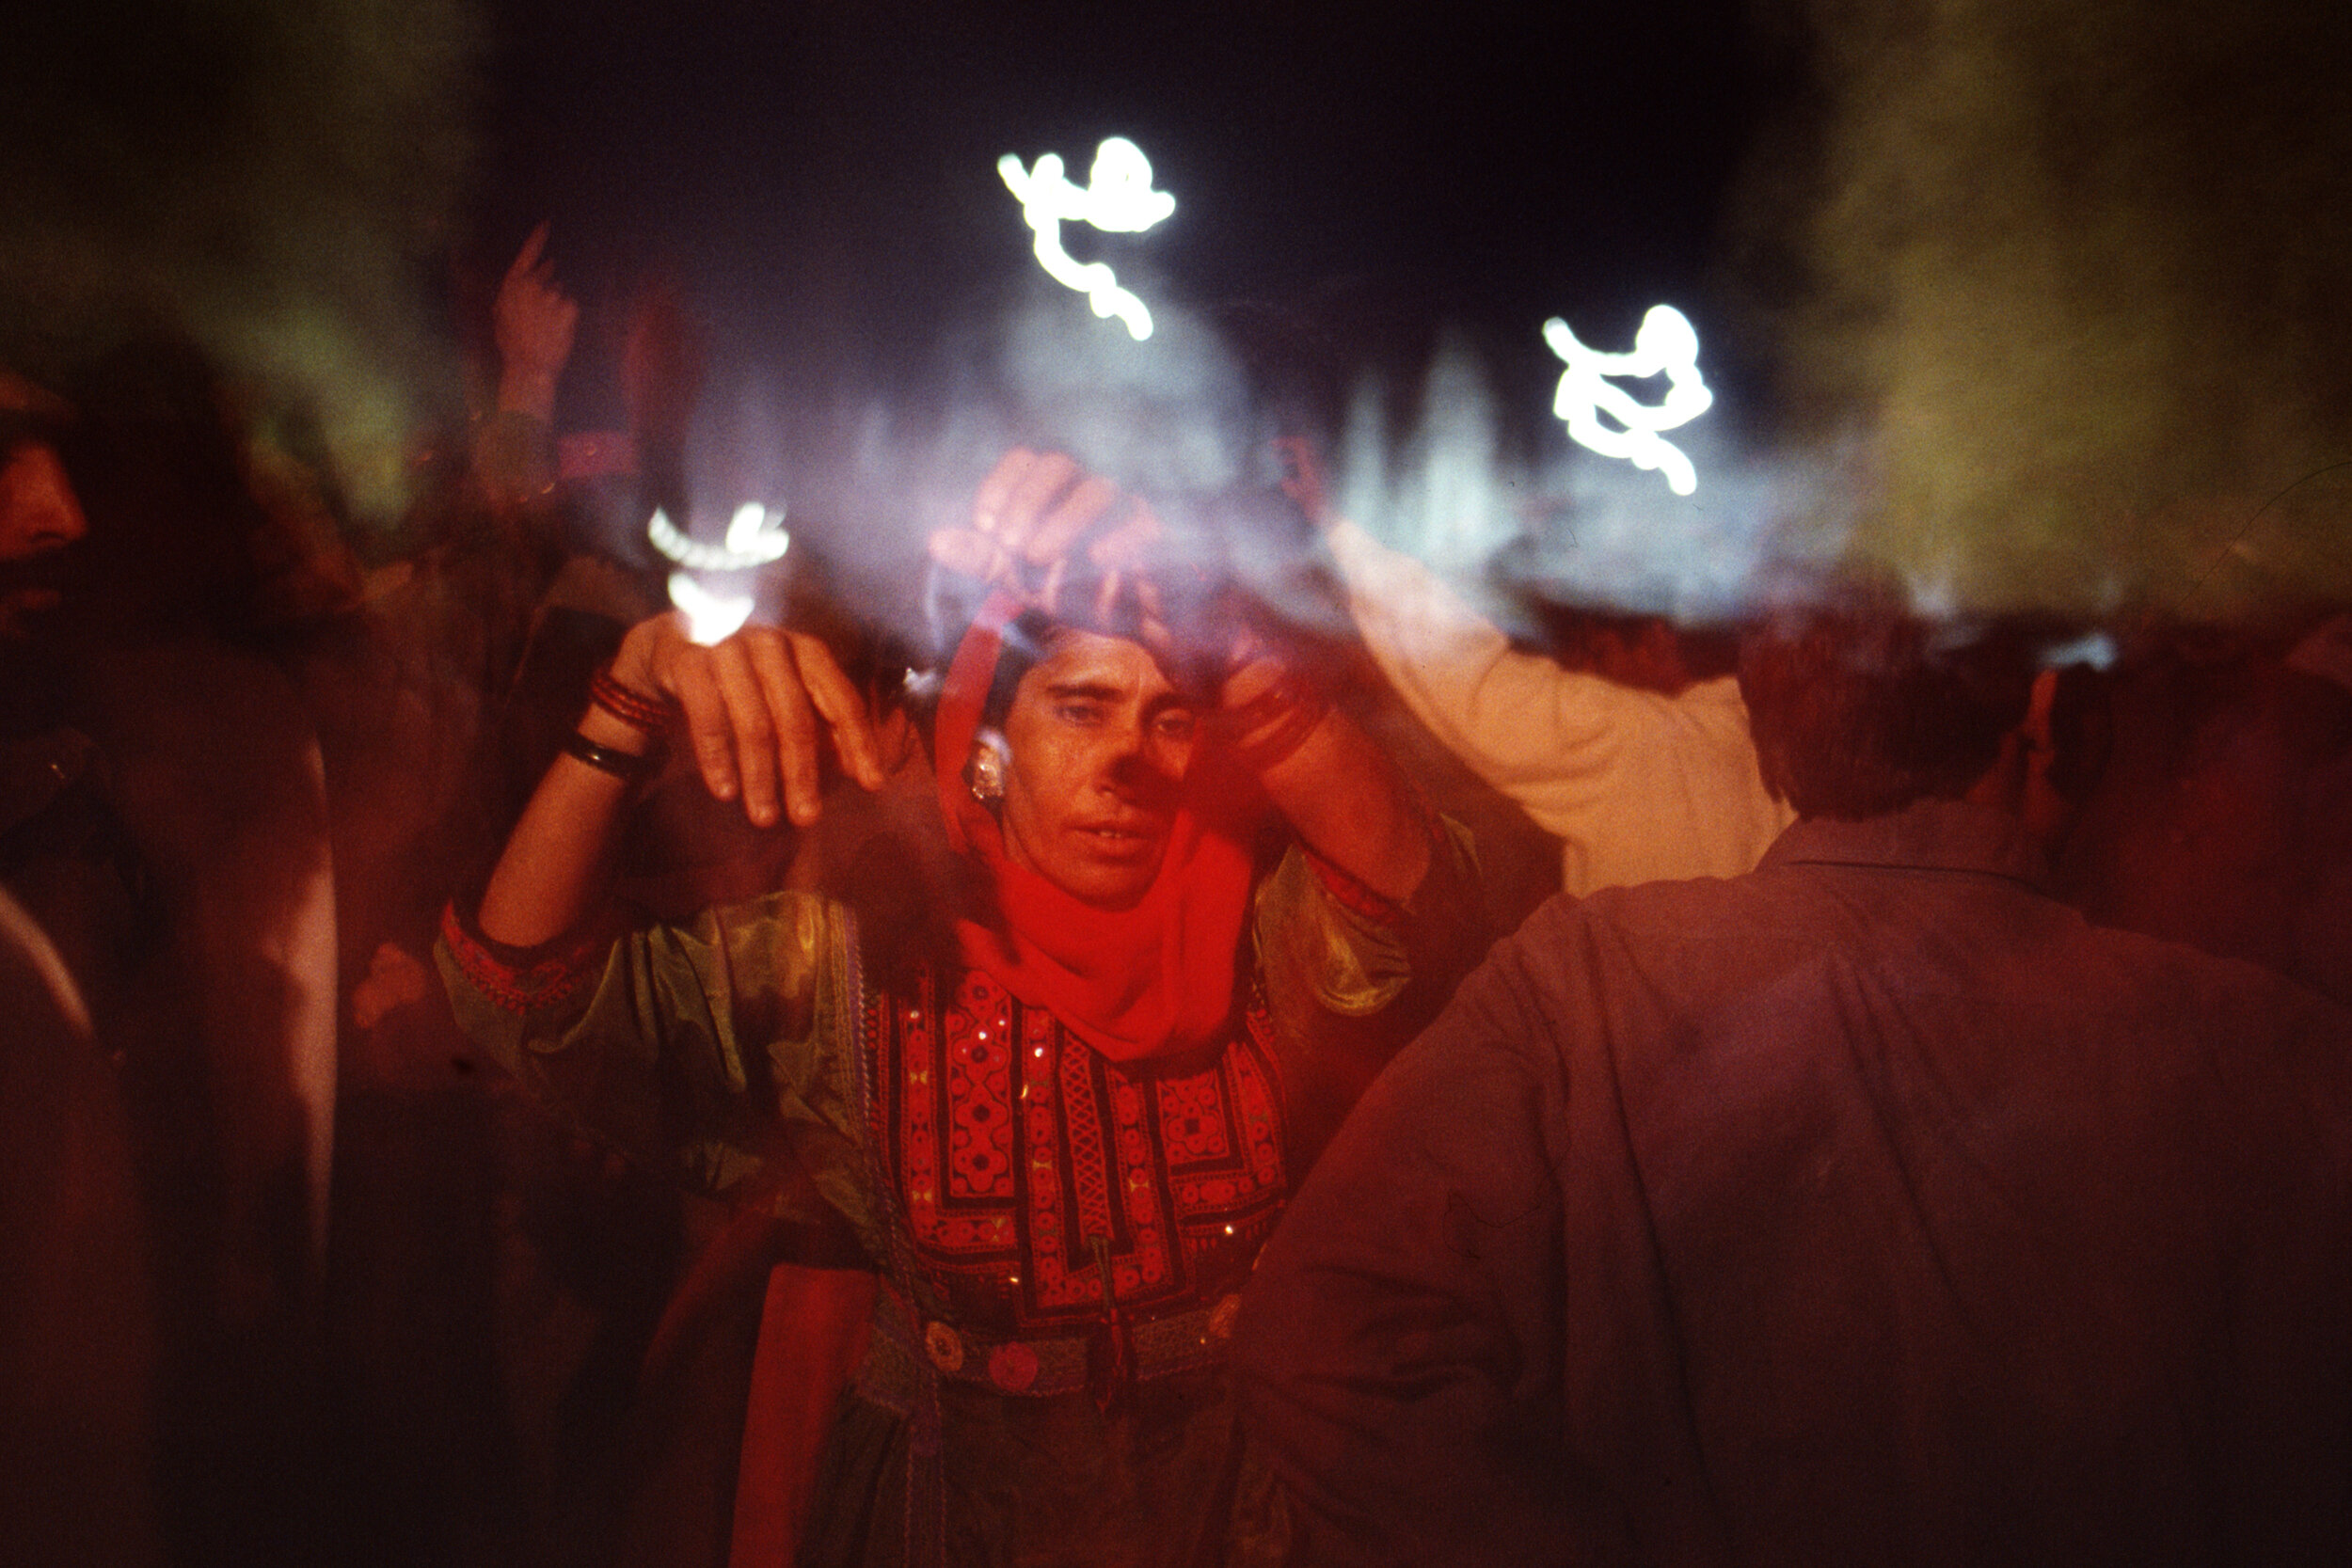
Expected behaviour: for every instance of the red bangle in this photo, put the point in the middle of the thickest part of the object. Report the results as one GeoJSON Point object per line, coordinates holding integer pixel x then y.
{"type": "Point", "coordinates": [1270, 727]}
{"type": "Point", "coordinates": [649, 714]}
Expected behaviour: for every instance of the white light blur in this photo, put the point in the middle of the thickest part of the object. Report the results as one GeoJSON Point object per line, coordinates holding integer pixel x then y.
{"type": "Point", "coordinates": [2096, 649]}
{"type": "Point", "coordinates": [1118, 197]}
{"type": "Point", "coordinates": [709, 617]}
{"type": "Point", "coordinates": [1666, 344]}
{"type": "Point", "coordinates": [756, 536]}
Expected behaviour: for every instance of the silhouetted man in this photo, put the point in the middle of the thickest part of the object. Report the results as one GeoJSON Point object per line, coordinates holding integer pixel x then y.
{"type": "Point", "coordinates": [1871, 1207]}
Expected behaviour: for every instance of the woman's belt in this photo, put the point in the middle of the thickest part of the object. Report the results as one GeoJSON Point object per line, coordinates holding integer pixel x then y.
{"type": "Point", "coordinates": [1043, 1367]}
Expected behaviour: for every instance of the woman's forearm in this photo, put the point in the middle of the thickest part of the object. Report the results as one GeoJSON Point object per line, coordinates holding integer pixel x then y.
{"type": "Point", "coordinates": [754, 712]}
{"type": "Point", "coordinates": [557, 861]}
{"type": "Point", "coordinates": [1341, 794]}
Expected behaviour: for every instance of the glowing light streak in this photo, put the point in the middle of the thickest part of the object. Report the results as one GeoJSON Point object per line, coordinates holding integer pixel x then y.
{"type": "Point", "coordinates": [754, 538]}
{"type": "Point", "coordinates": [709, 617]}
{"type": "Point", "coordinates": [1665, 345]}
{"type": "Point", "coordinates": [1118, 198]}
{"type": "Point", "coordinates": [2096, 649]}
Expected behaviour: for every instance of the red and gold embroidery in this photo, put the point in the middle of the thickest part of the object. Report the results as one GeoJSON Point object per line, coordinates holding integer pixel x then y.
{"type": "Point", "coordinates": [519, 988]}
{"type": "Point", "coordinates": [1016, 1149]}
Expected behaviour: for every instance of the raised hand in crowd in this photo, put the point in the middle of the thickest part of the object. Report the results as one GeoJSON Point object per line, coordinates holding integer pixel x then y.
{"type": "Point", "coordinates": [533, 322]}
{"type": "Point", "coordinates": [759, 709]}
{"type": "Point", "coordinates": [1028, 518]}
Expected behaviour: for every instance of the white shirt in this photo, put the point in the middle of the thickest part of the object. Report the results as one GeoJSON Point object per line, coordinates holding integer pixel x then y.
{"type": "Point", "coordinates": [1640, 787]}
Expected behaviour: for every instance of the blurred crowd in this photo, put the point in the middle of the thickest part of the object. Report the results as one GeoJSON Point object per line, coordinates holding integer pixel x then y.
{"type": "Point", "coordinates": [290, 1273]}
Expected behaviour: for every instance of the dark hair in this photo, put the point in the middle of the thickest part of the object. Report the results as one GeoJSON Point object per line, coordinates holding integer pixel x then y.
{"type": "Point", "coordinates": [158, 459]}
{"type": "Point", "coordinates": [1859, 705]}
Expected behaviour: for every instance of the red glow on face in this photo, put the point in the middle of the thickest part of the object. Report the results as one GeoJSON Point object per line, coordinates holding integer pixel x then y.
{"type": "Point", "coordinates": [1099, 742]}
{"type": "Point", "coordinates": [39, 516]}
{"type": "Point", "coordinates": [38, 512]}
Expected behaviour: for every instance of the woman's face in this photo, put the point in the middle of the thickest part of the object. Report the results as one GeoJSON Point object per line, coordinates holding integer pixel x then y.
{"type": "Point", "coordinates": [1099, 742]}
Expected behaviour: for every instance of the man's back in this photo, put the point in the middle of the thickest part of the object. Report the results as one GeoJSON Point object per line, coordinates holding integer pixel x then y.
{"type": "Point", "coordinates": [1870, 1208]}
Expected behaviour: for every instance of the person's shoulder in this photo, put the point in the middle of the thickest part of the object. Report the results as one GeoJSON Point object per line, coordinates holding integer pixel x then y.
{"type": "Point", "coordinates": [1693, 906]}
{"type": "Point", "coordinates": [1660, 937]}
{"type": "Point", "coordinates": [2175, 979]}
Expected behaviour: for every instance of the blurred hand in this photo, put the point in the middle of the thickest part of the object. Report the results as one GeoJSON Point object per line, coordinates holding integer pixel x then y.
{"type": "Point", "coordinates": [1028, 517]}
{"type": "Point", "coordinates": [534, 321]}
{"type": "Point", "coordinates": [758, 706]}
{"type": "Point", "coordinates": [395, 978]}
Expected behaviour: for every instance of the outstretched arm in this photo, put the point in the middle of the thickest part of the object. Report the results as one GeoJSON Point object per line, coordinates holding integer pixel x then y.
{"type": "Point", "coordinates": [1521, 722]}
{"type": "Point", "coordinates": [757, 709]}
{"type": "Point", "coordinates": [534, 321]}
{"type": "Point", "coordinates": [1342, 793]}
{"type": "Point", "coordinates": [1640, 785]}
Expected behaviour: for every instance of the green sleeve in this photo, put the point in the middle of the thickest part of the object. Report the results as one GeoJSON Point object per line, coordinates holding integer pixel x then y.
{"type": "Point", "coordinates": [717, 1052]}
{"type": "Point", "coordinates": [1349, 976]}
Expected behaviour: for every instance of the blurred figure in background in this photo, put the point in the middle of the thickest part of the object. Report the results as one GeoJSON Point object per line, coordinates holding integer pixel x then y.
{"type": "Point", "coordinates": [496, 1278]}
{"type": "Point", "coordinates": [78, 1335]}
{"type": "Point", "coordinates": [2225, 818]}
{"type": "Point", "coordinates": [1641, 771]}
{"type": "Point", "coordinates": [1869, 1208]}
{"type": "Point", "coordinates": [171, 843]}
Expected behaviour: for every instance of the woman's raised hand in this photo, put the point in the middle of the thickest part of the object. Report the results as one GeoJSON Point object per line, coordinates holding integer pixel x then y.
{"type": "Point", "coordinates": [1028, 518]}
{"type": "Point", "coordinates": [758, 706]}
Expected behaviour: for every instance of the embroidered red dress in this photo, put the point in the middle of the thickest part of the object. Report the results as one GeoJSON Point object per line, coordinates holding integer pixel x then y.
{"type": "Point", "coordinates": [1062, 1145]}
{"type": "Point", "coordinates": [1021, 1160]}
{"type": "Point", "coordinates": [1061, 1235]}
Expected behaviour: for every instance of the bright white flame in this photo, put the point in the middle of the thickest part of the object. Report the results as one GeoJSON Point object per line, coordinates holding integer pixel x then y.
{"type": "Point", "coordinates": [754, 538]}
{"type": "Point", "coordinates": [1666, 344]}
{"type": "Point", "coordinates": [1118, 197]}
{"type": "Point", "coordinates": [709, 617]}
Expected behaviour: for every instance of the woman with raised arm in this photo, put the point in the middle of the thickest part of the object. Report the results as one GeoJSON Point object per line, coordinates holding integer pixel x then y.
{"type": "Point", "coordinates": [1189, 909]}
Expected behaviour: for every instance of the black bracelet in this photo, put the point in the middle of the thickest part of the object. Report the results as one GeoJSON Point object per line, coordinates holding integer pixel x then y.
{"type": "Point", "coordinates": [608, 759]}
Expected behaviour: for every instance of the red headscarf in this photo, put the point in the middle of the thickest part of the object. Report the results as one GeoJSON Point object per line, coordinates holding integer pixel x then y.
{"type": "Point", "coordinates": [1131, 983]}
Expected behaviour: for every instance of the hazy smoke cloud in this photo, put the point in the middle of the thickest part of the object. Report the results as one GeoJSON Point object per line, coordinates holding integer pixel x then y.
{"type": "Point", "coordinates": [1568, 525]}
{"type": "Point", "coordinates": [269, 172]}
{"type": "Point", "coordinates": [2079, 287]}
{"type": "Point", "coordinates": [2067, 328]}
{"type": "Point", "coordinates": [869, 477]}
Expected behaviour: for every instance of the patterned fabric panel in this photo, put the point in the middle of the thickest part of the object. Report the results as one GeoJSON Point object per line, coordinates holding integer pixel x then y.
{"type": "Point", "coordinates": [1015, 1146]}
{"type": "Point", "coordinates": [520, 979]}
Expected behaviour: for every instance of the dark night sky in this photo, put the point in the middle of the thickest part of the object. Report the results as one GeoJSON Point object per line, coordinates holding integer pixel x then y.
{"type": "Point", "coordinates": [824, 173]}
{"type": "Point", "coordinates": [2022, 282]}
{"type": "Point", "coordinates": [1363, 188]}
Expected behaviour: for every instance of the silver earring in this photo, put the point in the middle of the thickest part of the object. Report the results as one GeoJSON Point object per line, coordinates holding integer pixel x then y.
{"type": "Point", "coordinates": [984, 775]}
